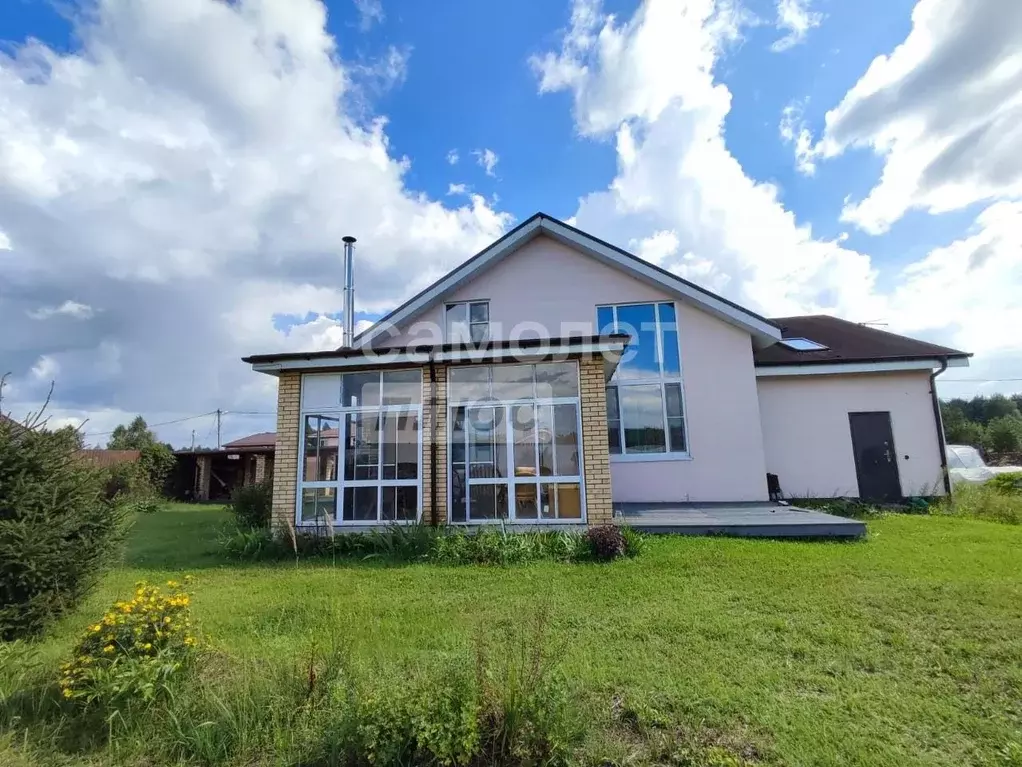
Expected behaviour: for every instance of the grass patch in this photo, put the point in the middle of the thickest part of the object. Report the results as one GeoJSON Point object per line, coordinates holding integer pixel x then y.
{"type": "Point", "coordinates": [993, 501]}
{"type": "Point", "coordinates": [903, 649]}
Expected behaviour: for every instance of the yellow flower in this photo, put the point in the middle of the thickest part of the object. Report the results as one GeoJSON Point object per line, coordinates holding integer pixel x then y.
{"type": "Point", "coordinates": [108, 649]}
{"type": "Point", "coordinates": [167, 619]}
{"type": "Point", "coordinates": [147, 646]}
{"type": "Point", "coordinates": [68, 693]}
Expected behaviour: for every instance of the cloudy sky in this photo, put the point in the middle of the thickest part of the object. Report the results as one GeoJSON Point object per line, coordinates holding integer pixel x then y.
{"type": "Point", "coordinates": [176, 175]}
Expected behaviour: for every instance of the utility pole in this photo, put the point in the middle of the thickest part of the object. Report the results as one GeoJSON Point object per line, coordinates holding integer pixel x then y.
{"type": "Point", "coordinates": [218, 413]}
{"type": "Point", "coordinates": [193, 440]}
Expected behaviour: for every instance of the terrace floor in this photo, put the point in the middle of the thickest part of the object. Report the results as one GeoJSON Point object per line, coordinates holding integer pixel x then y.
{"type": "Point", "coordinates": [750, 520]}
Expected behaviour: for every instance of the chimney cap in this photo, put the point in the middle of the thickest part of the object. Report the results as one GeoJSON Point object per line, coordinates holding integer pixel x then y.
{"type": "Point", "coordinates": [349, 239]}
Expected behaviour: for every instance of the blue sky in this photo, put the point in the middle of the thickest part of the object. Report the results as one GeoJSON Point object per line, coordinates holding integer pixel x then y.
{"type": "Point", "coordinates": [225, 177]}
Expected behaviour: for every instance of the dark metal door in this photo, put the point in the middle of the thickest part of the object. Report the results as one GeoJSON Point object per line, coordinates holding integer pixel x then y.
{"type": "Point", "coordinates": [876, 462]}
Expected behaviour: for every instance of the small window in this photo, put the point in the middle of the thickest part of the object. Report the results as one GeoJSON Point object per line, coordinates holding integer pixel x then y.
{"type": "Point", "coordinates": [802, 345]}
{"type": "Point", "coordinates": [468, 322]}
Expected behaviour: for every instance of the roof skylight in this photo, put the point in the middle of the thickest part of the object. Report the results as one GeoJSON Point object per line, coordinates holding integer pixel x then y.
{"type": "Point", "coordinates": [803, 345]}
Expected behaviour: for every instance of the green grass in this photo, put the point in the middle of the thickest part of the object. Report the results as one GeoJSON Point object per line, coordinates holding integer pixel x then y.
{"type": "Point", "coordinates": [902, 649]}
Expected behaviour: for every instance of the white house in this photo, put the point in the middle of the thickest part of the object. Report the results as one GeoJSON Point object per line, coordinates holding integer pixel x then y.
{"type": "Point", "coordinates": [553, 377]}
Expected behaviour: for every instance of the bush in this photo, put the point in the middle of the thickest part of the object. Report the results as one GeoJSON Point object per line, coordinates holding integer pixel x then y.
{"type": "Point", "coordinates": [635, 542]}
{"type": "Point", "coordinates": [1004, 435]}
{"type": "Point", "coordinates": [58, 532]}
{"type": "Point", "coordinates": [1009, 483]}
{"type": "Point", "coordinates": [985, 501]}
{"type": "Point", "coordinates": [130, 655]}
{"type": "Point", "coordinates": [144, 505]}
{"type": "Point", "coordinates": [252, 504]}
{"type": "Point", "coordinates": [251, 544]}
{"type": "Point", "coordinates": [606, 542]}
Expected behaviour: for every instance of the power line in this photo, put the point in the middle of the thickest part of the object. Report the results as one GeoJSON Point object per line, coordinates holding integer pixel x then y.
{"type": "Point", "coordinates": [154, 425]}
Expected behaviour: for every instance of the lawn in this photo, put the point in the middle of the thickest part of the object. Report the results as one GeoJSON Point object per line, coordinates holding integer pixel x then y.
{"type": "Point", "coordinates": [902, 649]}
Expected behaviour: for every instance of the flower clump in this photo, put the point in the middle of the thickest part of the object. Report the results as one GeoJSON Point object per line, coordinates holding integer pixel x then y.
{"type": "Point", "coordinates": [134, 648]}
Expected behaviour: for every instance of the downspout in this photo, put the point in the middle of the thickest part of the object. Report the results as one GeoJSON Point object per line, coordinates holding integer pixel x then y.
{"type": "Point", "coordinates": [432, 440]}
{"type": "Point", "coordinates": [938, 421]}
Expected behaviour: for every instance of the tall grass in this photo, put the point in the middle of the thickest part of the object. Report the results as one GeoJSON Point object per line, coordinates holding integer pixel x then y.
{"type": "Point", "coordinates": [989, 501]}
{"type": "Point", "coordinates": [505, 703]}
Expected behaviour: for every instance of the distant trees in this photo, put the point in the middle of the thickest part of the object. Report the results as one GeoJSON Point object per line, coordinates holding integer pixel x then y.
{"type": "Point", "coordinates": [157, 458]}
{"type": "Point", "coordinates": [991, 423]}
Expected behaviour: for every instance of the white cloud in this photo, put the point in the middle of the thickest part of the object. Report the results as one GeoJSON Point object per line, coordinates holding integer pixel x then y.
{"type": "Point", "coordinates": [457, 189]}
{"type": "Point", "coordinates": [452, 157]}
{"type": "Point", "coordinates": [45, 369]}
{"type": "Point", "coordinates": [68, 308]}
{"type": "Point", "coordinates": [370, 12]}
{"type": "Point", "coordinates": [486, 159]}
{"type": "Point", "coordinates": [648, 81]}
{"type": "Point", "coordinates": [794, 17]}
{"type": "Point", "coordinates": [203, 160]}
{"type": "Point", "coordinates": [5, 242]}
{"type": "Point", "coordinates": [793, 131]}
{"type": "Point", "coordinates": [943, 110]}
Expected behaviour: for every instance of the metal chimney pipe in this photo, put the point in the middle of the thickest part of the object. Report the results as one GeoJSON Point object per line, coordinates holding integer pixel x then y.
{"type": "Point", "coordinates": [348, 324]}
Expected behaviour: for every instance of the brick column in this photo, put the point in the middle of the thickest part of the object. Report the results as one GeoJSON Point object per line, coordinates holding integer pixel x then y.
{"type": "Point", "coordinates": [204, 463]}
{"type": "Point", "coordinates": [260, 468]}
{"type": "Point", "coordinates": [595, 451]}
{"type": "Point", "coordinates": [441, 445]}
{"type": "Point", "coordinates": [285, 464]}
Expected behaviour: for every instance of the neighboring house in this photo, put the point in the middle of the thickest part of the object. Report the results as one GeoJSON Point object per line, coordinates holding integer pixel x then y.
{"type": "Point", "coordinates": [553, 376]}
{"type": "Point", "coordinates": [212, 475]}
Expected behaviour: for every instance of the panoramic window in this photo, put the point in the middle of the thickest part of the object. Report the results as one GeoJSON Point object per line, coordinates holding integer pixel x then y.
{"type": "Point", "coordinates": [514, 443]}
{"type": "Point", "coordinates": [645, 401]}
{"type": "Point", "coordinates": [468, 322]}
{"type": "Point", "coordinates": [360, 448]}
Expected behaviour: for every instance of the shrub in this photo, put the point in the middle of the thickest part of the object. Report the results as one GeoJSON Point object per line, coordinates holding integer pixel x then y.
{"type": "Point", "coordinates": [253, 504]}
{"type": "Point", "coordinates": [983, 502]}
{"type": "Point", "coordinates": [1004, 435]}
{"type": "Point", "coordinates": [635, 542]}
{"type": "Point", "coordinates": [131, 654]}
{"type": "Point", "coordinates": [148, 505]}
{"type": "Point", "coordinates": [606, 542]}
{"type": "Point", "coordinates": [1009, 483]}
{"type": "Point", "coordinates": [57, 531]}
{"type": "Point", "coordinates": [251, 544]}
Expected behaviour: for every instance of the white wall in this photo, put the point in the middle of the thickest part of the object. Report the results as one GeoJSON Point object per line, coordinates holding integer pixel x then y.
{"type": "Point", "coordinates": [808, 441]}
{"type": "Point", "coordinates": [547, 288]}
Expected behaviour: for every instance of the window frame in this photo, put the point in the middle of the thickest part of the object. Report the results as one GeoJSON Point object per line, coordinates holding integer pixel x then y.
{"type": "Point", "coordinates": [512, 481]}
{"type": "Point", "coordinates": [340, 484]}
{"type": "Point", "coordinates": [662, 380]}
{"type": "Point", "coordinates": [468, 320]}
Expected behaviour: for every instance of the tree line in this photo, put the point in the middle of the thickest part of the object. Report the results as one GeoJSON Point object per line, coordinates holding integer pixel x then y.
{"type": "Point", "coordinates": [992, 424]}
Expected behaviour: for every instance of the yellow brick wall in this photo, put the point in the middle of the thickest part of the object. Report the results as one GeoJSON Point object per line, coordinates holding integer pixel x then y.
{"type": "Point", "coordinates": [595, 451]}
{"type": "Point", "coordinates": [285, 463]}
{"type": "Point", "coordinates": [441, 444]}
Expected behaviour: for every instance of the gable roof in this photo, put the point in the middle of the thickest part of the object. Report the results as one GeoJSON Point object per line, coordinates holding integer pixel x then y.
{"type": "Point", "coordinates": [103, 459]}
{"type": "Point", "coordinates": [847, 342]}
{"type": "Point", "coordinates": [763, 331]}
{"type": "Point", "coordinates": [262, 439]}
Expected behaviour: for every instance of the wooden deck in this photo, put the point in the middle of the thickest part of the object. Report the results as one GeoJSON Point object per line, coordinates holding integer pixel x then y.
{"type": "Point", "coordinates": [752, 520]}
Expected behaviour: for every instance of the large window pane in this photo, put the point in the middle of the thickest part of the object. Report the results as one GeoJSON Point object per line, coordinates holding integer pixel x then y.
{"type": "Point", "coordinates": [605, 320]}
{"type": "Point", "coordinates": [360, 504]}
{"type": "Point", "coordinates": [488, 501]}
{"type": "Point", "coordinates": [362, 451]}
{"type": "Point", "coordinates": [669, 340]}
{"type": "Point", "coordinates": [479, 332]}
{"type": "Point", "coordinates": [319, 504]}
{"type": "Point", "coordinates": [523, 423]}
{"type": "Point", "coordinates": [642, 411]}
{"type": "Point", "coordinates": [569, 501]}
{"type": "Point", "coordinates": [459, 494]}
{"type": "Point", "coordinates": [545, 427]}
{"type": "Point", "coordinates": [400, 445]}
{"type": "Point", "coordinates": [613, 421]}
{"type": "Point", "coordinates": [479, 312]}
{"type": "Point", "coordinates": [320, 464]}
{"type": "Point", "coordinates": [640, 358]}
{"type": "Point", "coordinates": [360, 389]}
{"type": "Point", "coordinates": [565, 441]}
{"type": "Point", "coordinates": [400, 503]}
{"type": "Point", "coordinates": [526, 505]}
{"type": "Point", "coordinates": [556, 379]}
{"type": "Point", "coordinates": [470, 383]}
{"type": "Point", "coordinates": [512, 382]}
{"type": "Point", "coordinates": [402, 387]}
{"type": "Point", "coordinates": [487, 442]}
